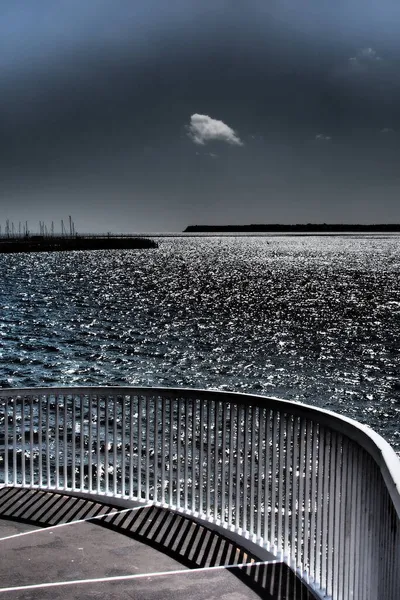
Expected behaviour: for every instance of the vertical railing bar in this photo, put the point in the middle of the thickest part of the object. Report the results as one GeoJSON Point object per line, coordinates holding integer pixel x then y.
{"type": "Point", "coordinates": [363, 525]}
{"type": "Point", "coordinates": [131, 443]}
{"type": "Point", "coordinates": [307, 503]}
{"type": "Point", "coordinates": [260, 471]}
{"type": "Point", "coordinates": [392, 540]}
{"type": "Point", "coordinates": [65, 443]}
{"type": "Point", "coordinates": [97, 445]}
{"type": "Point", "coordinates": [348, 523]}
{"type": "Point", "coordinates": [82, 442]}
{"type": "Point", "coordinates": [6, 444]}
{"type": "Point", "coordinates": [368, 531]}
{"type": "Point", "coordinates": [209, 455]}
{"type": "Point", "coordinates": [339, 499]}
{"type": "Point", "coordinates": [376, 513]}
{"type": "Point", "coordinates": [245, 467]}
{"type": "Point", "coordinates": [115, 444]}
{"type": "Point", "coordinates": [140, 442]}
{"type": "Point", "coordinates": [223, 464]}
{"type": "Point", "coordinates": [157, 449]}
{"type": "Point", "coordinates": [123, 444]}
{"type": "Point", "coordinates": [179, 453]}
{"type": "Point", "coordinates": [369, 580]}
{"type": "Point", "coordinates": [325, 510]}
{"type": "Point", "coordinates": [319, 506]}
{"type": "Point", "coordinates": [137, 432]}
{"type": "Point", "coordinates": [191, 425]}
{"type": "Point", "coordinates": [116, 401]}
{"type": "Point", "coordinates": [379, 509]}
{"type": "Point", "coordinates": [354, 548]}
{"type": "Point", "coordinates": [3, 405]}
{"type": "Point", "coordinates": [22, 434]}
{"type": "Point", "coordinates": [273, 479]}
{"type": "Point", "coordinates": [388, 542]}
{"type": "Point", "coordinates": [372, 537]}
{"type": "Point", "coordinates": [253, 449]}
{"type": "Point", "coordinates": [106, 444]}
{"type": "Point", "coordinates": [163, 436]}
{"type": "Point", "coordinates": [300, 501]}
{"type": "Point", "coordinates": [313, 500]}
{"type": "Point", "coordinates": [45, 420]}
{"type": "Point", "coordinates": [238, 486]}
{"type": "Point", "coordinates": [57, 440]}
{"type": "Point", "coordinates": [40, 440]}
{"type": "Point", "coordinates": [341, 493]}
{"type": "Point", "coordinates": [267, 466]}
{"type": "Point", "coordinates": [186, 462]}
{"type": "Point", "coordinates": [232, 409]}
{"type": "Point", "coordinates": [381, 543]}
{"type": "Point", "coordinates": [216, 457]}
{"type": "Point", "coordinates": [47, 436]}
{"type": "Point", "coordinates": [14, 440]}
{"type": "Point", "coordinates": [358, 551]}
{"type": "Point", "coordinates": [201, 455]}
{"type": "Point", "coordinates": [180, 464]}
{"type": "Point", "coordinates": [295, 494]}
{"type": "Point", "coordinates": [171, 451]}
{"type": "Point", "coordinates": [73, 443]}
{"type": "Point", "coordinates": [394, 557]}
{"type": "Point", "coordinates": [194, 453]}
{"type": "Point", "coordinates": [90, 448]}
{"type": "Point", "coordinates": [31, 468]}
{"type": "Point", "coordinates": [385, 540]}
{"type": "Point", "coordinates": [331, 513]}
{"type": "Point", "coordinates": [282, 432]}
{"type": "Point", "coordinates": [288, 491]}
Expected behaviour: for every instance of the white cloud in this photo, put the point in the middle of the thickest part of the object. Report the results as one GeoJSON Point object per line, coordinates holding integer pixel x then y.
{"type": "Point", "coordinates": [203, 129]}
{"type": "Point", "coordinates": [364, 59]}
{"type": "Point", "coordinates": [321, 137]}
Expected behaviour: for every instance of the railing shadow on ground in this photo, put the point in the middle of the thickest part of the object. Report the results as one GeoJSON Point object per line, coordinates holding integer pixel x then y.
{"type": "Point", "coordinates": [189, 543]}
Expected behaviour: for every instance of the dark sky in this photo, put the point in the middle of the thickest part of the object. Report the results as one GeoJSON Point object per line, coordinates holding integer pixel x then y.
{"type": "Point", "coordinates": [152, 115]}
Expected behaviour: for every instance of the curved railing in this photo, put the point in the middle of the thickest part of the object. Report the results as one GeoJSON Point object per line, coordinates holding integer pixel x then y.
{"type": "Point", "coordinates": [319, 491]}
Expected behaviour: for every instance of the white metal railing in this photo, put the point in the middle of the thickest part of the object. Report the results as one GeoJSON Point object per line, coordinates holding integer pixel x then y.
{"type": "Point", "coordinates": [319, 491]}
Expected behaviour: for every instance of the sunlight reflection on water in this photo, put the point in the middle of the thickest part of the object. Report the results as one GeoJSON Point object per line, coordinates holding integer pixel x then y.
{"type": "Point", "coordinates": [315, 319]}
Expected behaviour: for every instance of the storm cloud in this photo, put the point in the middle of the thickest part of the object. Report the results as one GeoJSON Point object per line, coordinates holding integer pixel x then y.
{"type": "Point", "coordinates": [115, 113]}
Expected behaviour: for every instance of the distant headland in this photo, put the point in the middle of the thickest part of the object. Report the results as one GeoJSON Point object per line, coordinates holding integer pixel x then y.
{"type": "Point", "coordinates": [296, 228]}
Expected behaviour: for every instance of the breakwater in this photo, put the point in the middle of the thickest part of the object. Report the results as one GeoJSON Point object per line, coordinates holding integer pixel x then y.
{"type": "Point", "coordinates": [38, 243]}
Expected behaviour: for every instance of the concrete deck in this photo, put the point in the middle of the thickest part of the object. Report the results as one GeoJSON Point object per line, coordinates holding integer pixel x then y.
{"type": "Point", "coordinates": [150, 542]}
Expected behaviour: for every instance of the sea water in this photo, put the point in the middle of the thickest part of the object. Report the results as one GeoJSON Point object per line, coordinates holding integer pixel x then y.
{"type": "Point", "coordinates": [308, 318]}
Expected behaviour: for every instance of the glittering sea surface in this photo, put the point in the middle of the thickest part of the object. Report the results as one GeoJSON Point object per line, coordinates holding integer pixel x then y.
{"type": "Point", "coordinates": [310, 318]}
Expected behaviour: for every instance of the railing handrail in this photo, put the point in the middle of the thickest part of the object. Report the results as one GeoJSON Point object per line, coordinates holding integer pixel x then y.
{"type": "Point", "coordinates": [380, 450]}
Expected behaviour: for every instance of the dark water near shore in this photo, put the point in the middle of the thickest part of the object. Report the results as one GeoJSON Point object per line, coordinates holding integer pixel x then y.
{"type": "Point", "coordinates": [316, 319]}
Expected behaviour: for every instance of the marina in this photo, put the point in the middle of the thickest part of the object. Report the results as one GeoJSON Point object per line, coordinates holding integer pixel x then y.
{"type": "Point", "coordinates": [37, 243]}
{"type": "Point", "coordinates": [21, 240]}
